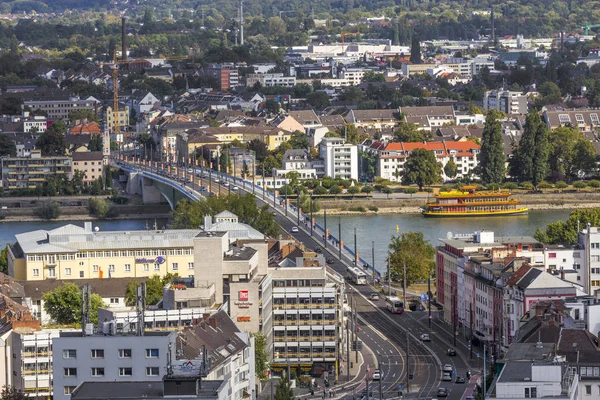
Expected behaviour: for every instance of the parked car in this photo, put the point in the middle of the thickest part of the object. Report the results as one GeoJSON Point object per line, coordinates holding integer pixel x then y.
{"type": "Point", "coordinates": [442, 392]}
{"type": "Point", "coordinates": [376, 375]}
{"type": "Point", "coordinates": [451, 352]}
{"type": "Point", "coordinates": [295, 229]}
{"type": "Point", "coordinates": [330, 261]}
{"type": "Point", "coordinates": [459, 379]}
{"type": "Point", "coordinates": [447, 377]}
{"type": "Point", "coordinates": [425, 337]}
{"type": "Point", "coordinates": [318, 250]}
{"type": "Point", "coordinates": [448, 368]}
{"type": "Point", "coordinates": [234, 188]}
{"type": "Point", "coordinates": [374, 296]}
{"type": "Point", "coordinates": [226, 184]}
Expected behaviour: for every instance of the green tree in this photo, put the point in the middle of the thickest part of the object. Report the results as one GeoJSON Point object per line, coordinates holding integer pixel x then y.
{"type": "Point", "coordinates": [352, 134]}
{"type": "Point", "coordinates": [99, 208]}
{"type": "Point", "coordinates": [4, 260]}
{"type": "Point", "coordinates": [260, 356]}
{"type": "Point", "coordinates": [318, 100]}
{"type": "Point", "coordinates": [52, 142]}
{"type": "Point", "coordinates": [415, 50]}
{"type": "Point", "coordinates": [272, 106]}
{"type": "Point", "coordinates": [14, 45]}
{"type": "Point", "coordinates": [7, 146]}
{"type": "Point", "coordinates": [407, 132]}
{"type": "Point", "coordinates": [450, 169]}
{"type": "Point", "coordinates": [367, 189]}
{"type": "Point", "coordinates": [422, 168]}
{"type": "Point", "coordinates": [49, 210]}
{"type": "Point", "coordinates": [492, 167]}
{"type": "Point", "coordinates": [353, 190]}
{"type": "Point", "coordinates": [284, 391]}
{"type": "Point", "coordinates": [371, 76]}
{"type": "Point", "coordinates": [96, 143]}
{"type": "Point", "coordinates": [80, 115]}
{"type": "Point", "coordinates": [299, 140]}
{"type": "Point", "coordinates": [154, 289]}
{"type": "Point", "coordinates": [418, 253]}
{"type": "Point", "coordinates": [540, 156]}
{"type": "Point", "coordinates": [570, 152]}
{"type": "Point", "coordinates": [12, 393]}
{"type": "Point", "coordinates": [565, 232]}
{"type": "Point", "coordinates": [63, 304]}
{"type": "Point", "coordinates": [387, 190]}
{"type": "Point", "coordinates": [260, 149]}
{"type": "Point", "coordinates": [148, 26]}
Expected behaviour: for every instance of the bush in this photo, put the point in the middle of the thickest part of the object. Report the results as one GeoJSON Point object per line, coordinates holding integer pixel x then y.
{"type": "Point", "coordinates": [594, 184]}
{"type": "Point", "coordinates": [579, 184]}
{"type": "Point", "coordinates": [367, 189]}
{"type": "Point", "coordinates": [544, 185]}
{"type": "Point", "coordinates": [100, 208]}
{"type": "Point", "coordinates": [561, 185]}
{"type": "Point", "coordinates": [493, 186]}
{"type": "Point", "coordinates": [428, 190]}
{"type": "Point", "coordinates": [320, 190]}
{"type": "Point", "coordinates": [353, 190]}
{"type": "Point", "coordinates": [335, 190]}
{"type": "Point", "coordinates": [510, 186]}
{"type": "Point", "coordinates": [411, 190]}
{"type": "Point", "coordinates": [357, 209]}
{"type": "Point", "coordinates": [526, 185]}
{"type": "Point", "coordinates": [445, 188]}
{"type": "Point", "coordinates": [49, 210]}
{"type": "Point", "coordinates": [373, 208]}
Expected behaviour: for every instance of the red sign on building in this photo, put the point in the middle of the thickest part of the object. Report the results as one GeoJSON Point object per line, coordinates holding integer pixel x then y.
{"type": "Point", "coordinates": [243, 295]}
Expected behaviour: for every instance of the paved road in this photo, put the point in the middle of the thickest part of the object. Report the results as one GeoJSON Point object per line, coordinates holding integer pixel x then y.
{"type": "Point", "coordinates": [394, 338]}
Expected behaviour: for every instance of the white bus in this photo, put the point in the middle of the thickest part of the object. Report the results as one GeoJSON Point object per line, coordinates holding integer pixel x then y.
{"type": "Point", "coordinates": [357, 276]}
{"type": "Point", "coordinates": [394, 305]}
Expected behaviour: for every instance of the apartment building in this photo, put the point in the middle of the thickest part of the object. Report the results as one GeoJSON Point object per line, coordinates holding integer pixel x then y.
{"type": "Point", "coordinates": [36, 123]}
{"type": "Point", "coordinates": [507, 101]}
{"type": "Point", "coordinates": [429, 118]}
{"type": "Point", "coordinates": [90, 164]}
{"type": "Point", "coordinates": [60, 109]}
{"type": "Point", "coordinates": [106, 357]}
{"type": "Point", "coordinates": [126, 318]}
{"type": "Point", "coordinates": [270, 80]}
{"type": "Point", "coordinates": [582, 119]}
{"type": "Point", "coordinates": [392, 157]}
{"type": "Point", "coordinates": [373, 119]}
{"type": "Point", "coordinates": [123, 114]}
{"type": "Point", "coordinates": [226, 75]}
{"type": "Point", "coordinates": [589, 272]}
{"type": "Point", "coordinates": [28, 172]}
{"type": "Point", "coordinates": [340, 159]}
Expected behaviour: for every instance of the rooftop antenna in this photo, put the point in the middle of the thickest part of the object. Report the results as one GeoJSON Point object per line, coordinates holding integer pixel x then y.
{"type": "Point", "coordinates": [85, 307]}
{"type": "Point", "coordinates": [241, 22]}
{"type": "Point", "coordinates": [155, 225]}
{"type": "Point", "coordinates": [140, 308]}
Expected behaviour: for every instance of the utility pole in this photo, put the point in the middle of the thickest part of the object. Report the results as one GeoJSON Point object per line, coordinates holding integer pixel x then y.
{"type": "Point", "coordinates": [348, 348]}
{"type": "Point", "coordinates": [340, 237]}
{"type": "Point", "coordinates": [407, 361]}
{"type": "Point", "coordinates": [355, 251]}
{"type": "Point", "coordinates": [298, 205]}
{"type": "Point", "coordinates": [380, 379]}
{"type": "Point", "coordinates": [454, 317]}
{"type": "Point", "coordinates": [354, 330]}
{"type": "Point", "coordinates": [484, 373]}
{"type": "Point", "coordinates": [367, 380]}
{"type": "Point", "coordinates": [325, 226]}
{"type": "Point", "coordinates": [471, 331]}
{"type": "Point", "coordinates": [404, 283]}
{"type": "Point", "coordinates": [389, 277]}
{"type": "Point", "coordinates": [373, 258]}
{"type": "Point", "coordinates": [311, 215]}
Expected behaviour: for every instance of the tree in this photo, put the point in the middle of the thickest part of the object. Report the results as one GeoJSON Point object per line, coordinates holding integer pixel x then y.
{"type": "Point", "coordinates": [570, 153]}
{"type": "Point", "coordinates": [353, 190]}
{"type": "Point", "coordinates": [367, 189]}
{"type": "Point", "coordinates": [99, 208]}
{"type": "Point", "coordinates": [565, 232]}
{"type": "Point", "coordinates": [299, 140]}
{"type": "Point", "coordinates": [530, 160]}
{"type": "Point", "coordinates": [12, 393]}
{"type": "Point", "coordinates": [371, 76]}
{"type": "Point", "coordinates": [154, 289]}
{"type": "Point", "coordinates": [422, 168]}
{"type": "Point", "coordinates": [260, 356]}
{"type": "Point", "coordinates": [4, 260]}
{"type": "Point", "coordinates": [49, 210]}
{"type": "Point", "coordinates": [14, 45]}
{"type": "Point", "coordinates": [418, 254]}
{"type": "Point", "coordinates": [415, 50]}
{"type": "Point", "coordinates": [63, 304]}
{"type": "Point", "coordinates": [260, 149]}
{"type": "Point", "coordinates": [272, 106]}
{"type": "Point", "coordinates": [408, 132]}
{"type": "Point", "coordinates": [450, 169]}
{"type": "Point", "coordinates": [318, 100]}
{"type": "Point", "coordinates": [148, 26]}
{"type": "Point", "coordinates": [387, 190]}
{"type": "Point", "coordinates": [284, 391]}
{"type": "Point", "coordinates": [352, 134]}
{"type": "Point", "coordinates": [7, 146]}
{"type": "Point", "coordinates": [52, 142]}
{"type": "Point", "coordinates": [96, 143]}
{"type": "Point", "coordinates": [492, 167]}
{"type": "Point", "coordinates": [80, 115]}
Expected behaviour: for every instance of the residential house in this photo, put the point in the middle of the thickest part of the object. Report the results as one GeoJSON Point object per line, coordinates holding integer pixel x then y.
{"type": "Point", "coordinates": [28, 172]}
{"type": "Point", "coordinates": [376, 119]}
{"type": "Point", "coordinates": [298, 161]}
{"type": "Point", "coordinates": [226, 74]}
{"type": "Point", "coordinates": [85, 127]}
{"type": "Point", "coordinates": [90, 164]}
{"type": "Point", "coordinates": [144, 102]}
{"type": "Point", "coordinates": [429, 117]}
{"type": "Point", "coordinates": [585, 121]}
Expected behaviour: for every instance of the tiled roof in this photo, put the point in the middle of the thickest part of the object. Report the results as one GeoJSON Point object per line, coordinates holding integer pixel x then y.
{"type": "Point", "coordinates": [105, 287]}
{"type": "Point", "coordinates": [88, 156]}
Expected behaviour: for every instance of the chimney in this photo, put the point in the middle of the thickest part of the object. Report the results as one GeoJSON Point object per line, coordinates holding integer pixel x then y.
{"type": "Point", "coordinates": [123, 40]}
{"type": "Point", "coordinates": [213, 322]}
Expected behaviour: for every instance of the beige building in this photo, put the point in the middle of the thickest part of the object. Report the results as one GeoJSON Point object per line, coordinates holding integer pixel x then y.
{"type": "Point", "coordinates": [28, 172]}
{"type": "Point", "coordinates": [91, 163]}
{"type": "Point", "coordinates": [60, 109]}
{"type": "Point", "coordinates": [123, 116]}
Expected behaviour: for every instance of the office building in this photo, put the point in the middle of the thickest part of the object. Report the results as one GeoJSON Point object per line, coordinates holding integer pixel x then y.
{"type": "Point", "coordinates": [270, 80]}
{"type": "Point", "coordinates": [29, 172]}
{"type": "Point", "coordinates": [226, 75]}
{"type": "Point", "coordinates": [507, 101]}
{"type": "Point", "coordinates": [340, 159]}
{"type": "Point", "coordinates": [60, 109]}
{"type": "Point", "coordinates": [106, 357]}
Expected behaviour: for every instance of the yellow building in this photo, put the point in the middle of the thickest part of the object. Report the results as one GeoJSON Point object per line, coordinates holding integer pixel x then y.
{"type": "Point", "coordinates": [271, 136]}
{"type": "Point", "coordinates": [123, 114]}
{"type": "Point", "coordinates": [73, 252]}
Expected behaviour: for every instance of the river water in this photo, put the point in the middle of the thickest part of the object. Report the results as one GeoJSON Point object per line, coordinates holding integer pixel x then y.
{"type": "Point", "coordinates": [377, 229]}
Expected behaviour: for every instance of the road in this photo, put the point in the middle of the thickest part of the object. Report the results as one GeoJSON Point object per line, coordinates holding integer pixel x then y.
{"type": "Point", "coordinates": [406, 363]}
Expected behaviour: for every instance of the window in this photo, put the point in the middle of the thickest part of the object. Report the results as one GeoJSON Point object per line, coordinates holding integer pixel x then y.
{"type": "Point", "coordinates": [97, 371]}
{"type": "Point", "coordinates": [97, 353]}
{"type": "Point", "coordinates": [67, 271]}
{"type": "Point", "coordinates": [151, 353]}
{"type": "Point", "coordinates": [127, 267]}
{"type": "Point", "coordinates": [81, 274]}
{"type": "Point", "coordinates": [146, 267]}
{"type": "Point", "coordinates": [94, 268]}
{"type": "Point", "coordinates": [564, 119]}
{"type": "Point", "coordinates": [111, 268]}
{"type": "Point", "coordinates": [125, 371]}
{"type": "Point", "coordinates": [533, 392]}
{"type": "Point", "coordinates": [191, 265]}
{"type": "Point", "coordinates": [157, 267]}
{"type": "Point", "coordinates": [595, 258]}
{"type": "Point", "coordinates": [595, 283]}
{"type": "Point", "coordinates": [69, 389]}
{"type": "Point", "coordinates": [69, 353]}
{"type": "Point", "coordinates": [595, 245]}
{"type": "Point", "coordinates": [152, 371]}
{"type": "Point", "coordinates": [579, 118]}
{"type": "Point", "coordinates": [36, 272]}
{"type": "Point", "coordinates": [588, 390]}
{"type": "Point", "coordinates": [51, 272]}
{"type": "Point", "coordinates": [594, 119]}
{"type": "Point", "coordinates": [551, 255]}
{"type": "Point", "coordinates": [70, 371]}
{"type": "Point", "coordinates": [114, 300]}
{"type": "Point", "coordinates": [124, 353]}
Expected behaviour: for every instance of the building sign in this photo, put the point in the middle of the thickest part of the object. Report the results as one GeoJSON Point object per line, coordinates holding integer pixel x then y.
{"type": "Point", "coordinates": [188, 368]}
{"type": "Point", "coordinates": [157, 260]}
{"type": "Point", "coordinates": [243, 319]}
{"type": "Point", "coordinates": [242, 304]}
{"type": "Point", "coordinates": [243, 295]}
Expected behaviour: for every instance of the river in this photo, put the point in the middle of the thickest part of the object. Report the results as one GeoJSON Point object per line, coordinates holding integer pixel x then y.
{"type": "Point", "coordinates": [379, 228]}
{"type": "Point", "coordinates": [8, 230]}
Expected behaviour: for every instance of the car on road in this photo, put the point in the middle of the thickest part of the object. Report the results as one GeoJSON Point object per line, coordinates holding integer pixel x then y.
{"type": "Point", "coordinates": [442, 392]}
{"type": "Point", "coordinates": [459, 379]}
{"type": "Point", "coordinates": [217, 180]}
{"type": "Point", "coordinates": [226, 184]}
{"type": "Point", "coordinates": [318, 250]}
{"type": "Point", "coordinates": [451, 352]}
{"type": "Point", "coordinates": [374, 296]}
{"type": "Point", "coordinates": [447, 377]}
{"type": "Point", "coordinates": [330, 261]}
{"type": "Point", "coordinates": [234, 188]}
{"type": "Point", "coordinates": [448, 368]}
{"type": "Point", "coordinates": [376, 375]}
{"type": "Point", "coordinates": [295, 229]}
{"type": "Point", "coordinates": [425, 337]}
{"type": "Point", "coordinates": [203, 188]}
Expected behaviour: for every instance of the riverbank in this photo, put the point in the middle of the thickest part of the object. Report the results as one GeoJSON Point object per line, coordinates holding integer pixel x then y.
{"type": "Point", "coordinates": [87, 217]}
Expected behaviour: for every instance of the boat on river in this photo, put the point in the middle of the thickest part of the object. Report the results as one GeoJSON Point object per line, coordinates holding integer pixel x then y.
{"type": "Point", "coordinates": [468, 202]}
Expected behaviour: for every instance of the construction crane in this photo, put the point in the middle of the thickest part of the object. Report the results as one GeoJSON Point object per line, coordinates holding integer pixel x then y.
{"type": "Point", "coordinates": [344, 34]}
{"type": "Point", "coordinates": [115, 77]}
{"type": "Point", "coordinates": [587, 27]}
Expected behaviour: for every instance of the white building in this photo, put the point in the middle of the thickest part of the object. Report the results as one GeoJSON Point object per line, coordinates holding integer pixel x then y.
{"type": "Point", "coordinates": [297, 161]}
{"type": "Point", "coordinates": [589, 241]}
{"type": "Point", "coordinates": [37, 123]}
{"type": "Point", "coordinates": [109, 358]}
{"type": "Point", "coordinates": [270, 80]}
{"type": "Point", "coordinates": [340, 159]}
{"type": "Point", "coordinates": [524, 379]}
{"type": "Point", "coordinates": [507, 101]}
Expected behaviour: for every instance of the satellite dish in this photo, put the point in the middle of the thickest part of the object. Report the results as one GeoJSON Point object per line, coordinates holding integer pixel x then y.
{"type": "Point", "coordinates": [449, 235]}
{"type": "Point", "coordinates": [96, 229]}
